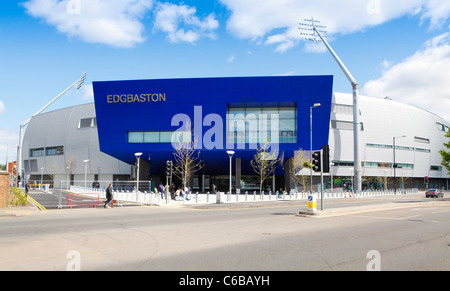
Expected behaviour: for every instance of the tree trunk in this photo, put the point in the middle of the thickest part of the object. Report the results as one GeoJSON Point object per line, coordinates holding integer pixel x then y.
{"type": "Point", "coordinates": [260, 189]}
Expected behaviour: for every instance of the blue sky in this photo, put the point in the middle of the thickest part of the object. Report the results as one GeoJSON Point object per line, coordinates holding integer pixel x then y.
{"type": "Point", "coordinates": [399, 48]}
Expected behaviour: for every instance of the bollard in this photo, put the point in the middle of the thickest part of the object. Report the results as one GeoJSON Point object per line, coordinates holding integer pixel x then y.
{"type": "Point", "coordinates": [218, 197]}
{"type": "Point", "coordinates": [312, 202]}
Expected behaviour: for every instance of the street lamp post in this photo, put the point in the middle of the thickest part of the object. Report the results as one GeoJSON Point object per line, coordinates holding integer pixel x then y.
{"type": "Point", "coordinates": [85, 171]}
{"type": "Point", "coordinates": [393, 165]}
{"type": "Point", "coordinates": [138, 156]}
{"type": "Point", "coordinates": [311, 140]}
{"type": "Point", "coordinates": [42, 176]}
{"type": "Point", "coordinates": [230, 154]}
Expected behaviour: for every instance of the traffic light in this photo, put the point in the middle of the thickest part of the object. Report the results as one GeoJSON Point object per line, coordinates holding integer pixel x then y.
{"type": "Point", "coordinates": [426, 180]}
{"type": "Point", "coordinates": [316, 161]}
{"type": "Point", "coordinates": [169, 168]}
{"type": "Point", "coordinates": [326, 158]}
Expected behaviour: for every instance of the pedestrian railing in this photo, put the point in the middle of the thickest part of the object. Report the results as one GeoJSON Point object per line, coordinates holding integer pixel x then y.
{"type": "Point", "coordinates": [222, 197]}
{"type": "Point", "coordinates": [83, 199]}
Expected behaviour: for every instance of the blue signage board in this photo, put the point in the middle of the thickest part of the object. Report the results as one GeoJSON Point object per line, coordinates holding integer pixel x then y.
{"type": "Point", "coordinates": [215, 114]}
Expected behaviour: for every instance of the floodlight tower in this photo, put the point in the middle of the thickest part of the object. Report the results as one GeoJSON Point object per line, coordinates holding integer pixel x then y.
{"type": "Point", "coordinates": [312, 28]}
{"type": "Point", "coordinates": [79, 83]}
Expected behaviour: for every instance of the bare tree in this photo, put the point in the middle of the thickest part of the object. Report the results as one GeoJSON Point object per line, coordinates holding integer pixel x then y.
{"type": "Point", "coordinates": [187, 159]}
{"type": "Point", "coordinates": [71, 165]}
{"type": "Point", "coordinates": [300, 162]}
{"type": "Point", "coordinates": [52, 170]}
{"type": "Point", "coordinates": [264, 163]}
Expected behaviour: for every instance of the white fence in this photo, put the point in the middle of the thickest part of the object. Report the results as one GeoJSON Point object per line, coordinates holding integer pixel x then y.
{"type": "Point", "coordinates": [204, 198]}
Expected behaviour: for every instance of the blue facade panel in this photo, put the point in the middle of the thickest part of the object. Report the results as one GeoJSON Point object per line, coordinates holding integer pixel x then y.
{"type": "Point", "coordinates": [150, 105]}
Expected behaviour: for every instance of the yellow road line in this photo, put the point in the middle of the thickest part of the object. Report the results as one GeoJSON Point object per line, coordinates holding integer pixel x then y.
{"type": "Point", "coordinates": [35, 203]}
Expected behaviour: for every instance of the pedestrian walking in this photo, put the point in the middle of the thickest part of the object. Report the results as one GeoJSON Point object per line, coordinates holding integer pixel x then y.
{"type": "Point", "coordinates": [27, 188]}
{"type": "Point", "coordinates": [172, 190]}
{"type": "Point", "coordinates": [161, 190]}
{"type": "Point", "coordinates": [109, 196]}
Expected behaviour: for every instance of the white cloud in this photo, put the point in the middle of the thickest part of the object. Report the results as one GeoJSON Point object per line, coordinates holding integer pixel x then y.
{"type": "Point", "coordinates": [2, 107]}
{"type": "Point", "coordinates": [174, 19]}
{"type": "Point", "coordinates": [112, 22]}
{"type": "Point", "coordinates": [87, 92]}
{"type": "Point", "coordinates": [421, 80]}
{"type": "Point", "coordinates": [437, 11]}
{"type": "Point", "coordinates": [231, 59]}
{"type": "Point", "coordinates": [275, 22]}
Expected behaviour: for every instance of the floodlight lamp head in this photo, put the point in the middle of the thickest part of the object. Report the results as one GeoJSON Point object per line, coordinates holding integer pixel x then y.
{"type": "Point", "coordinates": [81, 81]}
{"type": "Point", "coordinates": [317, 104]}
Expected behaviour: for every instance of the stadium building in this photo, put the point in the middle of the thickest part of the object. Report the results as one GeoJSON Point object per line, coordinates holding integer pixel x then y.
{"type": "Point", "coordinates": [97, 143]}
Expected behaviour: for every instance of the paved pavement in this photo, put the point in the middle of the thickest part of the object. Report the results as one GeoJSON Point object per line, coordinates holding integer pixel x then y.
{"type": "Point", "coordinates": [19, 211]}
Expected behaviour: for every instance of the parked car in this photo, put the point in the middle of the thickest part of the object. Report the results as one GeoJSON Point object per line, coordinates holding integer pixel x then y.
{"type": "Point", "coordinates": [434, 193]}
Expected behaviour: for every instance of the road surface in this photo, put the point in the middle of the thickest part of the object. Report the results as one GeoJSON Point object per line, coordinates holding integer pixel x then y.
{"type": "Point", "coordinates": [415, 236]}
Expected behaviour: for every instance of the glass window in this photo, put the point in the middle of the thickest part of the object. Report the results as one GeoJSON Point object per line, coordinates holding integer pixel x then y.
{"type": "Point", "coordinates": [54, 151]}
{"type": "Point", "coordinates": [257, 124]}
{"type": "Point", "coordinates": [136, 137]}
{"type": "Point", "coordinates": [343, 109]}
{"type": "Point", "coordinates": [255, 111]}
{"type": "Point", "coordinates": [440, 126]}
{"type": "Point", "coordinates": [270, 110]}
{"type": "Point", "coordinates": [421, 139]}
{"type": "Point", "coordinates": [159, 136]}
{"type": "Point", "coordinates": [288, 113]}
{"type": "Point", "coordinates": [240, 136]}
{"type": "Point", "coordinates": [181, 137]}
{"type": "Point", "coordinates": [288, 125]}
{"type": "Point", "coordinates": [423, 150]}
{"type": "Point", "coordinates": [85, 122]}
{"type": "Point", "coordinates": [237, 111]}
{"type": "Point", "coordinates": [151, 137]}
{"type": "Point", "coordinates": [37, 152]}
{"type": "Point", "coordinates": [165, 136]}
{"type": "Point", "coordinates": [287, 137]}
{"type": "Point", "coordinates": [344, 125]}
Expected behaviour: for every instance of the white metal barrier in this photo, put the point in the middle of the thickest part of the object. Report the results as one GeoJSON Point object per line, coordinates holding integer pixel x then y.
{"type": "Point", "coordinates": [204, 198]}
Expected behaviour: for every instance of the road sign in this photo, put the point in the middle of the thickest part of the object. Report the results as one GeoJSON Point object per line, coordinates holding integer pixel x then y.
{"type": "Point", "coordinates": [312, 203]}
